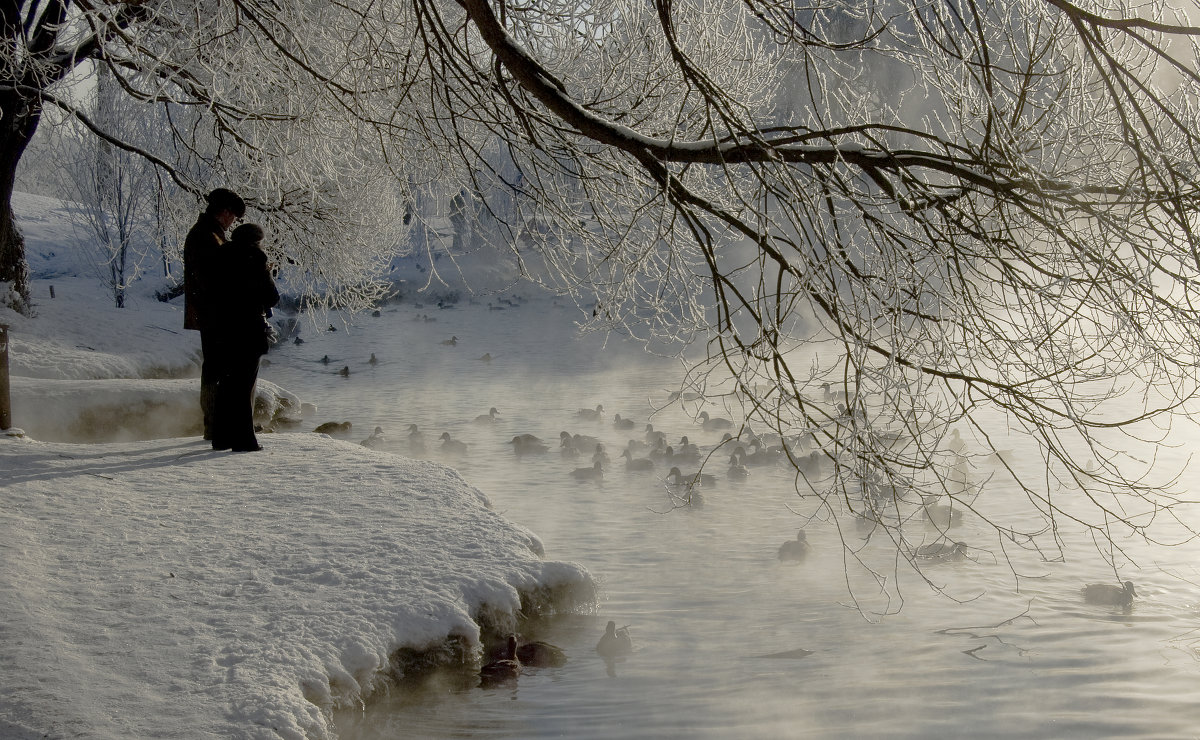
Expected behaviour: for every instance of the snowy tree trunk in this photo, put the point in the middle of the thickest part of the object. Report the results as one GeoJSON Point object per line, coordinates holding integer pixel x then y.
{"type": "Point", "coordinates": [18, 121]}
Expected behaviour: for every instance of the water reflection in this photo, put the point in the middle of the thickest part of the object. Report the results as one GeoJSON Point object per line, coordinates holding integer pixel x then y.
{"type": "Point", "coordinates": [731, 640]}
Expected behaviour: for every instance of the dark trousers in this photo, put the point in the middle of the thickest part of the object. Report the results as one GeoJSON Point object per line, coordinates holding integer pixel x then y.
{"type": "Point", "coordinates": [233, 421]}
{"type": "Point", "coordinates": [210, 373]}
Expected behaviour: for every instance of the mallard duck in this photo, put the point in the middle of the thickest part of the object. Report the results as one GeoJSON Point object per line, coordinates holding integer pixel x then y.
{"type": "Point", "coordinates": [525, 444]}
{"type": "Point", "coordinates": [615, 641]}
{"type": "Point", "coordinates": [452, 446]}
{"type": "Point", "coordinates": [1107, 594]}
{"type": "Point", "coordinates": [488, 418]}
{"type": "Point", "coordinates": [596, 472]}
{"type": "Point", "coordinates": [333, 427]}
{"type": "Point", "coordinates": [502, 669]}
{"type": "Point", "coordinates": [701, 480]}
{"type": "Point", "coordinates": [637, 463]}
{"type": "Point", "coordinates": [375, 439]}
{"type": "Point", "coordinates": [796, 549]}
{"type": "Point", "coordinates": [621, 423]}
{"type": "Point", "coordinates": [941, 551]}
{"type": "Point", "coordinates": [451, 342]}
{"type": "Point", "coordinates": [591, 414]}
{"type": "Point", "coordinates": [712, 424]}
{"type": "Point", "coordinates": [372, 361]}
{"type": "Point", "coordinates": [540, 654]}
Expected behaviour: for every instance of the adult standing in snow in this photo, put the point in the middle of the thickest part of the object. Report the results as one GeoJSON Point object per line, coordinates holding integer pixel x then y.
{"type": "Point", "coordinates": [224, 207]}
{"type": "Point", "coordinates": [242, 294]}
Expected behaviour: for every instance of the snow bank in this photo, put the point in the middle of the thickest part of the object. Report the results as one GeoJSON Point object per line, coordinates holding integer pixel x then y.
{"type": "Point", "coordinates": [161, 589]}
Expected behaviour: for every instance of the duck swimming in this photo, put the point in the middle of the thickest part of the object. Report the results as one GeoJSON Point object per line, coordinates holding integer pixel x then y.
{"type": "Point", "coordinates": [637, 463]}
{"type": "Point", "coordinates": [452, 446]}
{"type": "Point", "coordinates": [596, 472]}
{"type": "Point", "coordinates": [692, 480]}
{"type": "Point", "coordinates": [712, 424]}
{"type": "Point", "coordinates": [488, 418]}
{"type": "Point", "coordinates": [797, 549]}
{"type": "Point", "coordinates": [525, 444]}
{"type": "Point", "coordinates": [591, 414]}
{"type": "Point", "coordinates": [615, 641]}
{"type": "Point", "coordinates": [375, 439]}
{"type": "Point", "coordinates": [502, 669]}
{"type": "Point", "coordinates": [1106, 594]}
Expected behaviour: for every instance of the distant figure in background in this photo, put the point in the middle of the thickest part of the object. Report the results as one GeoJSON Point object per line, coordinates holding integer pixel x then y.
{"type": "Point", "coordinates": [224, 207]}
{"type": "Point", "coordinates": [243, 293]}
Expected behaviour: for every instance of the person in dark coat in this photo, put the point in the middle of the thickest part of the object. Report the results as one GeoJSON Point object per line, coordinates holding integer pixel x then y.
{"type": "Point", "coordinates": [242, 294]}
{"type": "Point", "coordinates": [224, 207]}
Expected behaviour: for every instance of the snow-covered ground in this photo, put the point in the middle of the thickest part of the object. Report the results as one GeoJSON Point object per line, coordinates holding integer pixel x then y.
{"type": "Point", "coordinates": [160, 589]}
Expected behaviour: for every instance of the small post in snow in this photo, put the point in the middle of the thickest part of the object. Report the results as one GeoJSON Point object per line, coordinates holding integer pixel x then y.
{"type": "Point", "coordinates": [5, 399]}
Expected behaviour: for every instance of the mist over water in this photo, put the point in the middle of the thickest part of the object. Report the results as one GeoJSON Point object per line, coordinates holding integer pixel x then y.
{"type": "Point", "coordinates": [1018, 654]}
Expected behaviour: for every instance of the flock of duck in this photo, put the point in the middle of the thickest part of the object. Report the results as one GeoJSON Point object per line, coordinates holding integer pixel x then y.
{"type": "Point", "coordinates": [651, 452]}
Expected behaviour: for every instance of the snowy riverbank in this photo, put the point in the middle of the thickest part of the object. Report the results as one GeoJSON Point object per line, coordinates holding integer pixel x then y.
{"type": "Point", "coordinates": [160, 589]}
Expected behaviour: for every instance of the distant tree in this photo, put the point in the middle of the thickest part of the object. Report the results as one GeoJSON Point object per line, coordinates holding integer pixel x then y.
{"type": "Point", "coordinates": [236, 109]}
{"type": "Point", "coordinates": [116, 191]}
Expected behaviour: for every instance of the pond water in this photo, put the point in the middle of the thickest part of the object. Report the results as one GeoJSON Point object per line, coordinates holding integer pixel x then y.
{"type": "Point", "coordinates": [1012, 650]}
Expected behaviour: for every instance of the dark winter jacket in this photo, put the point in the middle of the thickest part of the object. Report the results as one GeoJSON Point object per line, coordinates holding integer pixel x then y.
{"type": "Point", "coordinates": [202, 240]}
{"type": "Point", "coordinates": [242, 293]}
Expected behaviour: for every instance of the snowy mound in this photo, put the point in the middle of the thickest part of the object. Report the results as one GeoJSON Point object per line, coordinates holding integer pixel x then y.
{"type": "Point", "coordinates": [160, 589]}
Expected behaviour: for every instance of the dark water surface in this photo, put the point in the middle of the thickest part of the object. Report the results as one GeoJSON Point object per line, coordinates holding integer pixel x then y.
{"type": "Point", "coordinates": [701, 588]}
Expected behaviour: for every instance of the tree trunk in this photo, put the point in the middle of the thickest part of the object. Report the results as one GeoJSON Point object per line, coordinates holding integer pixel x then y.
{"type": "Point", "coordinates": [18, 121]}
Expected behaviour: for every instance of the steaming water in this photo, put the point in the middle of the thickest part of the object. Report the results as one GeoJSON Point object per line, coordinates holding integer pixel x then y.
{"type": "Point", "coordinates": [1019, 654]}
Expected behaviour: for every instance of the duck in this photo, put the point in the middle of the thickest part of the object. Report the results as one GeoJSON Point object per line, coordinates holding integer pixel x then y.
{"type": "Point", "coordinates": [652, 436]}
{"type": "Point", "coordinates": [637, 463]}
{"type": "Point", "coordinates": [451, 342]}
{"type": "Point", "coordinates": [488, 418]}
{"type": "Point", "coordinates": [525, 444]}
{"type": "Point", "coordinates": [297, 341]}
{"type": "Point", "coordinates": [686, 448]}
{"type": "Point", "coordinates": [416, 438]}
{"type": "Point", "coordinates": [941, 551]}
{"type": "Point", "coordinates": [621, 423]}
{"type": "Point", "coordinates": [1106, 594]}
{"type": "Point", "coordinates": [333, 427]}
{"type": "Point", "coordinates": [691, 480]}
{"type": "Point", "coordinates": [737, 471]}
{"type": "Point", "coordinates": [660, 451]}
{"type": "Point", "coordinates": [941, 515]}
{"type": "Point", "coordinates": [375, 439]}
{"type": "Point", "coordinates": [574, 444]}
{"type": "Point", "coordinates": [372, 361]}
{"type": "Point", "coordinates": [485, 357]}
{"type": "Point", "coordinates": [714, 424]}
{"type": "Point", "coordinates": [615, 641]}
{"type": "Point", "coordinates": [591, 414]}
{"type": "Point", "coordinates": [596, 472]}
{"type": "Point", "coordinates": [345, 371]}
{"type": "Point", "coordinates": [797, 549]}
{"type": "Point", "coordinates": [325, 360]}
{"type": "Point", "coordinates": [452, 446]}
{"type": "Point", "coordinates": [502, 669]}
{"type": "Point", "coordinates": [540, 654]}
{"type": "Point", "coordinates": [600, 455]}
